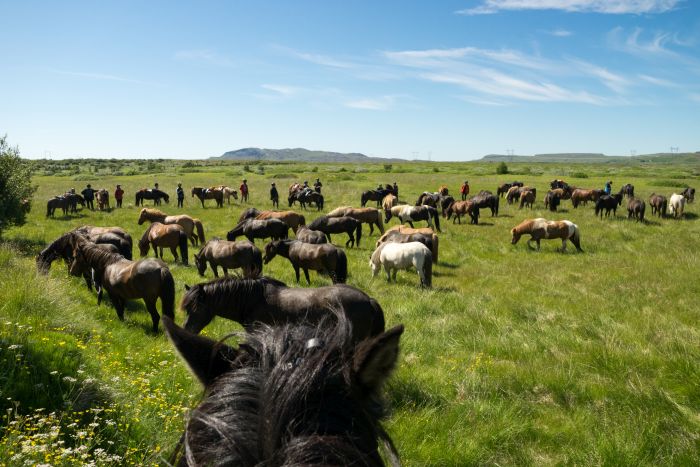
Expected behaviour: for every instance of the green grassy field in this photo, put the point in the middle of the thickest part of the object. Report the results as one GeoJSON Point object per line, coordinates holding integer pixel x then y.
{"type": "Point", "coordinates": [514, 356]}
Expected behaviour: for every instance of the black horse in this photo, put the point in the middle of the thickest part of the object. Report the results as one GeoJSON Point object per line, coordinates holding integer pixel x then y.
{"type": "Point", "coordinates": [608, 203]}
{"type": "Point", "coordinates": [332, 225]}
{"type": "Point", "coordinates": [428, 199]}
{"type": "Point", "coordinates": [259, 228]}
{"type": "Point", "coordinates": [689, 194]}
{"type": "Point", "coordinates": [374, 195]}
{"type": "Point", "coordinates": [446, 202]}
{"type": "Point", "coordinates": [151, 193]}
{"type": "Point", "coordinates": [305, 197]}
{"type": "Point", "coordinates": [317, 257]}
{"type": "Point", "coordinates": [269, 301]}
{"type": "Point", "coordinates": [552, 200]}
{"type": "Point", "coordinates": [486, 199]}
{"type": "Point", "coordinates": [297, 394]}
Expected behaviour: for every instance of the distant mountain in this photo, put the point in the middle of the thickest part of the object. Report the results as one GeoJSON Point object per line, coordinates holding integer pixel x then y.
{"type": "Point", "coordinates": [300, 154]}
{"type": "Point", "coordinates": [585, 157]}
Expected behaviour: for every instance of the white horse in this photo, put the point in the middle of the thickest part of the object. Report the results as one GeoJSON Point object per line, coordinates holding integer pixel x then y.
{"type": "Point", "coordinates": [676, 205]}
{"type": "Point", "coordinates": [395, 256]}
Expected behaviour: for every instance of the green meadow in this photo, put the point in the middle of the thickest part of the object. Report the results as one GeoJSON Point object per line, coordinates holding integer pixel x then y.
{"type": "Point", "coordinates": [514, 357]}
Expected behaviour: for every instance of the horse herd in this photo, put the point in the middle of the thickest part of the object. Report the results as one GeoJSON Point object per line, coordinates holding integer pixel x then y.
{"type": "Point", "coordinates": [326, 347]}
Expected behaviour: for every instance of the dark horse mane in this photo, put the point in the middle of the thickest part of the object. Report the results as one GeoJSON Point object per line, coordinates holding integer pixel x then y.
{"type": "Point", "coordinates": [97, 257]}
{"type": "Point", "coordinates": [217, 292]}
{"type": "Point", "coordinates": [55, 250]}
{"type": "Point", "coordinates": [144, 238]}
{"type": "Point", "coordinates": [289, 395]}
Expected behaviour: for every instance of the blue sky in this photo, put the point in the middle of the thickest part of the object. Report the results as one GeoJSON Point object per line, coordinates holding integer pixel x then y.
{"type": "Point", "coordinates": [452, 80]}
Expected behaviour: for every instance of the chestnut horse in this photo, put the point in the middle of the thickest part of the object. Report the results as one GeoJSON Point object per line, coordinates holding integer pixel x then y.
{"type": "Point", "coordinates": [229, 255]}
{"type": "Point", "coordinates": [317, 257]}
{"type": "Point", "coordinates": [291, 218]}
{"type": "Point", "coordinates": [541, 228]}
{"type": "Point", "coordinates": [183, 220]}
{"type": "Point", "coordinates": [369, 216]}
{"type": "Point", "coordinates": [214, 193]}
{"type": "Point", "coordinates": [527, 198]}
{"type": "Point", "coordinates": [580, 195]}
{"type": "Point", "coordinates": [460, 208]}
{"type": "Point", "coordinates": [164, 236]}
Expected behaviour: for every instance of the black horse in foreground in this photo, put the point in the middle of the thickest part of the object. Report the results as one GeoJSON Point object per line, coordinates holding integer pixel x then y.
{"type": "Point", "coordinates": [297, 394]}
{"type": "Point", "coordinates": [151, 193]}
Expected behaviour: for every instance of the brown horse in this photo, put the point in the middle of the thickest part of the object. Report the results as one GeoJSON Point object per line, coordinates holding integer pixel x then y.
{"type": "Point", "coordinates": [408, 231]}
{"type": "Point", "coordinates": [636, 208]}
{"type": "Point", "coordinates": [443, 190]}
{"type": "Point", "coordinates": [113, 235]}
{"type": "Point", "coordinates": [333, 225]}
{"type": "Point", "coordinates": [102, 197]}
{"type": "Point", "coordinates": [149, 279]}
{"type": "Point", "coordinates": [229, 255]}
{"type": "Point", "coordinates": [659, 204]}
{"type": "Point", "coordinates": [164, 236]}
{"type": "Point", "coordinates": [460, 208]}
{"type": "Point", "coordinates": [543, 229]}
{"type": "Point", "coordinates": [552, 199]}
{"type": "Point", "coordinates": [580, 195]}
{"type": "Point", "coordinates": [183, 220]}
{"type": "Point", "coordinates": [369, 216]}
{"type": "Point", "coordinates": [324, 257]}
{"type": "Point", "coordinates": [527, 198]}
{"type": "Point", "coordinates": [214, 193]}
{"type": "Point", "coordinates": [306, 235]}
{"type": "Point", "coordinates": [291, 218]}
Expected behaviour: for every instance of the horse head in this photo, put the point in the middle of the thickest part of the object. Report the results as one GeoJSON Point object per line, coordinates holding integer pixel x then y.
{"type": "Point", "coordinates": [271, 250]}
{"type": "Point", "coordinates": [201, 263]}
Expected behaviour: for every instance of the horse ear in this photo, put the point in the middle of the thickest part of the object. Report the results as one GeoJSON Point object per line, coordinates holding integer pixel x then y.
{"type": "Point", "coordinates": [375, 359]}
{"type": "Point", "coordinates": [187, 287]}
{"type": "Point", "coordinates": [206, 358]}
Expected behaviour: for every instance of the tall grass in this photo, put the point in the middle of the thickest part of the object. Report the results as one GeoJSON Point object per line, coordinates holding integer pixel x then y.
{"type": "Point", "coordinates": [514, 357]}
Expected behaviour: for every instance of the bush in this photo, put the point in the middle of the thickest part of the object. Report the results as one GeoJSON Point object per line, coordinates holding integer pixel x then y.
{"type": "Point", "coordinates": [578, 175]}
{"type": "Point", "coordinates": [388, 167]}
{"type": "Point", "coordinates": [15, 188]}
{"type": "Point", "coordinates": [502, 168]}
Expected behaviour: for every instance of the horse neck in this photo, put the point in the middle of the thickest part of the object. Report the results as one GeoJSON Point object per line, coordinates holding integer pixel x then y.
{"type": "Point", "coordinates": [245, 293]}
{"type": "Point", "coordinates": [144, 237]}
{"type": "Point", "coordinates": [155, 216]}
{"type": "Point", "coordinates": [98, 258]}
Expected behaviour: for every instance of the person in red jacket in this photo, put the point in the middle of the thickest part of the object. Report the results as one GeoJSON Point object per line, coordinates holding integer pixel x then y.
{"type": "Point", "coordinates": [119, 195]}
{"type": "Point", "coordinates": [464, 190]}
{"type": "Point", "coordinates": [244, 190]}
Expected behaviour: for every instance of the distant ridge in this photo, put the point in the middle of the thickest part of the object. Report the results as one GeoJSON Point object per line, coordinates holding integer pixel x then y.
{"type": "Point", "coordinates": [300, 154]}
{"type": "Point", "coordinates": [585, 157]}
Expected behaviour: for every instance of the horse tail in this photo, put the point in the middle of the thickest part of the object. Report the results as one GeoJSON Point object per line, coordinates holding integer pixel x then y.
{"type": "Point", "coordinates": [428, 269]}
{"type": "Point", "coordinates": [358, 233]}
{"type": "Point", "coordinates": [167, 292]}
{"type": "Point", "coordinates": [183, 246]}
{"type": "Point", "coordinates": [48, 208]}
{"type": "Point", "coordinates": [257, 263]}
{"type": "Point", "coordinates": [380, 221]}
{"type": "Point", "coordinates": [576, 238]}
{"type": "Point", "coordinates": [497, 203]}
{"type": "Point", "coordinates": [200, 231]}
{"type": "Point", "coordinates": [436, 248]}
{"type": "Point", "coordinates": [436, 218]}
{"type": "Point", "coordinates": [137, 199]}
{"type": "Point", "coordinates": [341, 267]}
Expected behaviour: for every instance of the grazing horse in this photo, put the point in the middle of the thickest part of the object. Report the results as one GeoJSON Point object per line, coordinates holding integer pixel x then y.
{"type": "Point", "coordinates": [635, 208]}
{"type": "Point", "coordinates": [229, 255]}
{"type": "Point", "coordinates": [689, 194]}
{"type": "Point", "coordinates": [306, 235]}
{"type": "Point", "coordinates": [485, 199]}
{"type": "Point", "coordinates": [291, 218]}
{"type": "Point", "coordinates": [317, 257]}
{"type": "Point", "coordinates": [527, 198]}
{"type": "Point", "coordinates": [151, 193]}
{"type": "Point", "coordinates": [608, 203]}
{"type": "Point", "coordinates": [627, 190]}
{"type": "Point", "coordinates": [580, 195]}
{"type": "Point", "coordinates": [543, 229]}
{"type": "Point", "coordinates": [428, 199]}
{"type": "Point", "coordinates": [149, 279]}
{"type": "Point", "coordinates": [402, 229]}
{"type": "Point", "coordinates": [373, 195]}
{"type": "Point", "coordinates": [268, 301]}
{"type": "Point", "coordinates": [259, 228]}
{"type": "Point", "coordinates": [460, 208]}
{"type": "Point", "coordinates": [112, 235]}
{"type": "Point", "coordinates": [416, 213]}
{"type": "Point", "coordinates": [332, 225]}
{"type": "Point", "coordinates": [183, 220]}
{"type": "Point", "coordinates": [215, 193]}
{"type": "Point", "coordinates": [389, 202]}
{"type": "Point", "coordinates": [297, 394]}
{"type": "Point", "coordinates": [552, 199]}
{"type": "Point", "coordinates": [504, 187]}
{"type": "Point", "coordinates": [659, 205]}
{"type": "Point", "coordinates": [369, 216]}
{"type": "Point", "coordinates": [164, 236]}
{"type": "Point", "coordinates": [429, 240]}
{"type": "Point", "coordinates": [102, 197]}
{"type": "Point", "coordinates": [394, 256]}
{"type": "Point", "coordinates": [676, 205]}
{"type": "Point", "coordinates": [228, 192]}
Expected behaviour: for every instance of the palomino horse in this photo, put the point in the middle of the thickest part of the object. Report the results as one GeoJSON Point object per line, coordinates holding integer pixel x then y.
{"type": "Point", "coordinates": [676, 205]}
{"type": "Point", "coordinates": [402, 229]}
{"type": "Point", "coordinates": [541, 228]}
{"type": "Point", "coordinates": [102, 197]}
{"type": "Point", "coordinates": [416, 213]}
{"type": "Point", "coordinates": [460, 208]}
{"type": "Point", "coordinates": [334, 225]}
{"type": "Point", "coordinates": [164, 236]}
{"type": "Point", "coordinates": [229, 255]}
{"type": "Point", "coordinates": [369, 216]}
{"type": "Point", "coordinates": [580, 195]}
{"type": "Point", "coordinates": [268, 301]}
{"type": "Point", "coordinates": [259, 228]}
{"type": "Point", "coordinates": [151, 193]}
{"type": "Point", "coordinates": [291, 218]}
{"type": "Point", "coordinates": [306, 235]}
{"type": "Point", "coordinates": [214, 193]}
{"type": "Point", "coordinates": [183, 220]}
{"type": "Point", "coordinates": [149, 279]}
{"type": "Point", "coordinates": [659, 204]}
{"type": "Point", "coordinates": [394, 256]}
{"type": "Point", "coordinates": [317, 257]}
{"type": "Point", "coordinates": [389, 202]}
{"type": "Point", "coordinates": [297, 394]}
{"type": "Point", "coordinates": [635, 208]}
{"type": "Point", "coordinates": [608, 203]}
{"type": "Point", "coordinates": [486, 199]}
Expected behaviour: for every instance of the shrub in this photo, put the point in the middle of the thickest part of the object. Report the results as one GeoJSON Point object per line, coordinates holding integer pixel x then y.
{"type": "Point", "coordinates": [578, 175]}
{"type": "Point", "coordinates": [388, 167]}
{"type": "Point", "coordinates": [502, 168]}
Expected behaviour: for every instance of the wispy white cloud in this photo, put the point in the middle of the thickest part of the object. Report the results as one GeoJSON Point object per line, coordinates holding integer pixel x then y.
{"type": "Point", "coordinates": [207, 56]}
{"type": "Point", "coordinates": [489, 7]}
{"type": "Point", "coordinates": [98, 76]}
{"type": "Point", "coordinates": [436, 57]}
{"type": "Point", "coordinates": [612, 80]}
{"type": "Point", "coordinates": [281, 89]}
{"type": "Point", "coordinates": [482, 101]}
{"type": "Point", "coordinates": [658, 81]}
{"type": "Point", "coordinates": [559, 32]}
{"type": "Point", "coordinates": [378, 103]}
{"type": "Point", "coordinates": [695, 97]}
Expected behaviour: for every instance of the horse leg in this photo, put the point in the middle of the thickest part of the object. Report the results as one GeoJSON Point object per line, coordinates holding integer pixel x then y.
{"type": "Point", "coordinates": [216, 270]}
{"type": "Point", "coordinates": [296, 271]}
{"type": "Point", "coordinates": [173, 250]}
{"type": "Point", "coordinates": [388, 272]}
{"type": "Point", "coordinates": [225, 271]}
{"type": "Point", "coordinates": [410, 223]}
{"type": "Point", "coordinates": [306, 274]}
{"type": "Point", "coordinates": [563, 245]}
{"type": "Point", "coordinates": [371, 227]}
{"type": "Point", "coordinates": [393, 275]}
{"type": "Point", "coordinates": [155, 317]}
{"type": "Point", "coordinates": [538, 244]}
{"type": "Point", "coordinates": [118, 305]}
{"type": "Point", "coordinates": [155, 250]}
